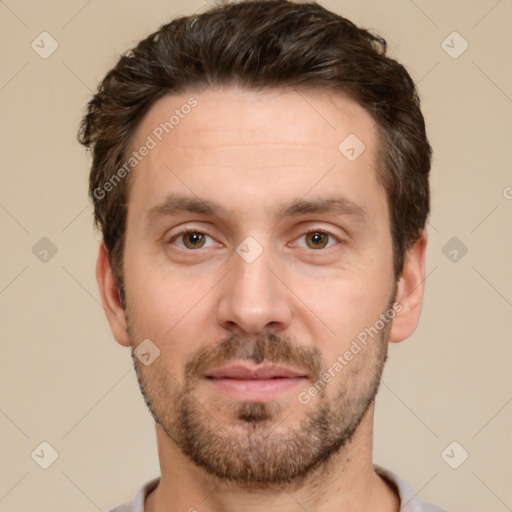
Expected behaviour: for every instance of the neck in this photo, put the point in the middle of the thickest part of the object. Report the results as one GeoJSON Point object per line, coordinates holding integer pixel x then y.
{"type": "Point", "coordinates": [347, 481]}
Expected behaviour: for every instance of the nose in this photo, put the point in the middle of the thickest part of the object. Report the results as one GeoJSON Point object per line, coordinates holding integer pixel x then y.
{"type": "Point", "coordinates": [254, 297]}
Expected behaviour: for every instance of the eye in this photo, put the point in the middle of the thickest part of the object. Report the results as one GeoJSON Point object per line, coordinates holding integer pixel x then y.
{"type": "Point", "coordinates": [318, 240]}
{"type": "Point", "coordinates": [192, 239]}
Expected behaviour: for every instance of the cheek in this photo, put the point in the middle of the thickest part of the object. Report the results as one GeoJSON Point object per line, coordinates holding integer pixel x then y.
{"type": "Point", "coordinates": [171, 310]}
{"type": "Point", "coordinates": [347, 297]}
{"type": "Point", "coordinates": [155, 304]}
{"type": "Point", "coordinates": [341, 308]}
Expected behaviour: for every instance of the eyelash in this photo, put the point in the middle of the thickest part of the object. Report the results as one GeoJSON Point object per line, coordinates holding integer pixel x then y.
{"type": "Point", "coordinates": [192, 230]}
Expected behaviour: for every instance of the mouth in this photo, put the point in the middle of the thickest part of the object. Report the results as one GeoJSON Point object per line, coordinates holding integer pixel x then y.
{"type": "Point", "coordinates": [247, 382]}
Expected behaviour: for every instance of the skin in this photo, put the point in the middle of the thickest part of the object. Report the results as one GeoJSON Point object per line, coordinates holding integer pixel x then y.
{"type": "Point", "coordinates": [301, 302]}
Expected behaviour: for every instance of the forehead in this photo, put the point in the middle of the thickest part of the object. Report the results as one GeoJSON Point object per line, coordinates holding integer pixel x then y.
{"type": "Point", "coordinates": [231, 139]}
{"type": "Point", "coordinates": [241, 116]}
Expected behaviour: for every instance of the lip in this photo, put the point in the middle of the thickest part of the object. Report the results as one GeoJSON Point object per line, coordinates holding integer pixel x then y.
{"type": "Point", "coordinates": [247, 372]}
{"type": "Point", "coordinates": [246, 382]}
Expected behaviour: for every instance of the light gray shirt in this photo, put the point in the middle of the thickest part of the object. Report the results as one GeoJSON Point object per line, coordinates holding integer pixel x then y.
{"type": "Point", "coordinates": [409, 501]}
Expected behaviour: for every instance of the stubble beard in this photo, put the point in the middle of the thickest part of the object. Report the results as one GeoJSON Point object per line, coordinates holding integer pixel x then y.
{"type": "Point", "coordinates": [253, 451]}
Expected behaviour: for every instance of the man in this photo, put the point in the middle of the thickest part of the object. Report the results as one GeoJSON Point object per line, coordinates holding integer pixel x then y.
{"type": "Point", "coordinates": [260, 177]}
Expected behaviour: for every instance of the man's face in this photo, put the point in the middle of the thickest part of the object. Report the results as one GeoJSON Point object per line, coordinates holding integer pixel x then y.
{"type": "Point", "coordinates": [258, 282]}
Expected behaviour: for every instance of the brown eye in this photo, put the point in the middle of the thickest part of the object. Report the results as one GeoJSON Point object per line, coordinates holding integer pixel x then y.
{"type": "Point", "coordinates": [193, 239]}
{"type": "Point", "coordinates": [317, 239]}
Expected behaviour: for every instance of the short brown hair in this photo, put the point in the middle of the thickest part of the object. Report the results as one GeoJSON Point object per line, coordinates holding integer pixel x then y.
{"type": "Point", "coordinates": [262, 44]}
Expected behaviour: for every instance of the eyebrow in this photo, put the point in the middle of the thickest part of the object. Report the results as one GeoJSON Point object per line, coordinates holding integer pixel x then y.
{"type": "Point", "coordinates": [175, 204]}
{"type": "Point", "coordinates": [335, 204]}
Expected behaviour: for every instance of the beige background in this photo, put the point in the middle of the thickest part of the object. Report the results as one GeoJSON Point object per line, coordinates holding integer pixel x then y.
{"type": "Point", "coordinates": [65, 381]}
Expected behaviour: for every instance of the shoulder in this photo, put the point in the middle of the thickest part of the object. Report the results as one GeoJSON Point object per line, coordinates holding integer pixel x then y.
{"type": "Point", "coordinates": [137, 505]}
{"type": "Point", "coordinates": [409, 500]}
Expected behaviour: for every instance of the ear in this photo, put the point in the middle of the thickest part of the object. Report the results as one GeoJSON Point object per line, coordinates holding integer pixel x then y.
{"type": "Point", "coordinates": [110, 299]}
{"type": "Point", "coordinates": [410, 290]}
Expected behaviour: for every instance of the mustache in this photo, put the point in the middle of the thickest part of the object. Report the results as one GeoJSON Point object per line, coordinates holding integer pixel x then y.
{"type": "Point", "coordinates": [267, 348]}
